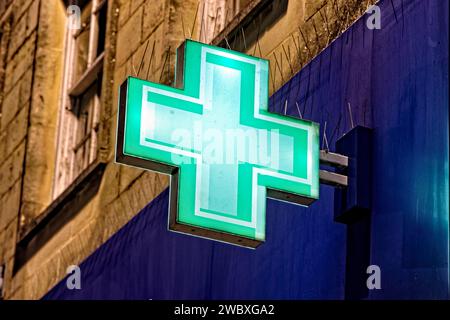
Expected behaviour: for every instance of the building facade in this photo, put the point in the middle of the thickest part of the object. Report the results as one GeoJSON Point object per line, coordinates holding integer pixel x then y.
{"type": "Point", "coordinates": [61, 63]}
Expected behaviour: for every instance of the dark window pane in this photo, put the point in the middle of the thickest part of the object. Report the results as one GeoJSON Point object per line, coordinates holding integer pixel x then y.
{"type": "Point", "coordinates": [82, 44]}
{"type": "Point", "coordinates": [101, 29]}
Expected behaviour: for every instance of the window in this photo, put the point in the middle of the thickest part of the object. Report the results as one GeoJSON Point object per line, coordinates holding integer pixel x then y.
{"type": "Point", "coordinates": [216, 15]}
{"type": "Point", "coordinates": [81, 91]}
{"type": "Point", "coordinates": [2, 74]}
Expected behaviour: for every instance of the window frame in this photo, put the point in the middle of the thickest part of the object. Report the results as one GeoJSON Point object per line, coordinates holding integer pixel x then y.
{"type": "Point", "coordinates": [66, 170]}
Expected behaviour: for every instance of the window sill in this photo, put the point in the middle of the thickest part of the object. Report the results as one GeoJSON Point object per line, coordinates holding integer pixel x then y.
{"type": "Point", "coordinates": [60, 211]}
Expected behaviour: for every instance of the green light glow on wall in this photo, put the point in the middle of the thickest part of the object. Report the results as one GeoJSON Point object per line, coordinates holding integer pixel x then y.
{"type": "Point", "coordinates": [225, 152]}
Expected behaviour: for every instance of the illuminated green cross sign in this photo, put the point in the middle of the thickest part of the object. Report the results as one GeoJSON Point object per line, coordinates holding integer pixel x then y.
{"type": "Point", "coordinates": [225, 152]}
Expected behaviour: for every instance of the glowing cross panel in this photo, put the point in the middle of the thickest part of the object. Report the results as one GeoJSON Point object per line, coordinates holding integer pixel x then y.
{"type": "Point", "coordinates": [225, 151]}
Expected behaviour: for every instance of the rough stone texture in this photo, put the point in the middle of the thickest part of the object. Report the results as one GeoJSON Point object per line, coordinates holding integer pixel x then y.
{"type": "Point", "coordinates": [109, 187]}
{"type": "Point", "coordinates": [303, 32]}
{"type": "Point", "coordinates": [19, 31]}
{"type": "Point", "coordinates": [17, 130]}
{"type": "Point", "coordinates": [11, 169]}
{"type": "Point", "coordinates": [46, 86]}
{"type": "Point", "coordinates": [19, 63]}
{"type": "Point", "coordinates": [129, 37]}
{"type": "Point", "coordinates": [154, 15]}
{"type": "Point", "coordinates": [3, 6]}
{"type": "Point", "coordinates": [10, 206]}
{"type": "Point", "coordinates": [10, 106]}
{"type": "Point", "coordinates": [20, 52]}
{"type": "Point", "coordinates": [124, 9]}
{"type": "Point", "coordinates": [31, 93]}
{"type": "Point", "coordinates": [135, 4]}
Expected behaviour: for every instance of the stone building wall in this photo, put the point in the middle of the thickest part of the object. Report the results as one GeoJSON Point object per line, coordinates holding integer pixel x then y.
{"type": "Point", "coordinates": [19, 23]}
{"type": "Point", "coordinates": [142, 36]}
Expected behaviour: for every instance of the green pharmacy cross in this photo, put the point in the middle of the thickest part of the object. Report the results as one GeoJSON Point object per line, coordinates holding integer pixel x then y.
{"type": "Point", "coordinates": [225, 152]}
